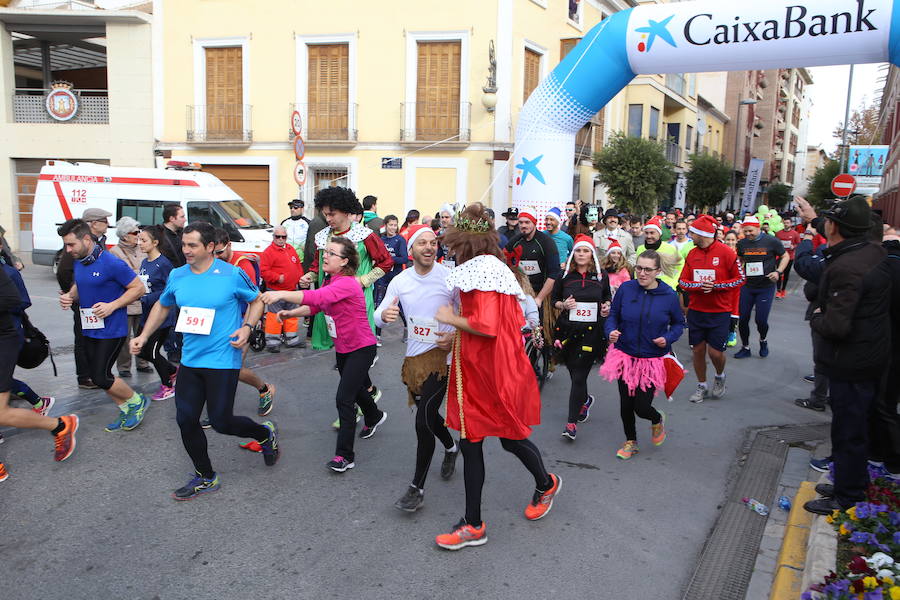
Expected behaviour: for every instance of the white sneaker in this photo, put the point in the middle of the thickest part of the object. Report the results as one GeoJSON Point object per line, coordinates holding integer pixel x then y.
{"type": "Point", "coordinates": [701, 394]}
{"type": "Point", "coordinates": [718, 390]}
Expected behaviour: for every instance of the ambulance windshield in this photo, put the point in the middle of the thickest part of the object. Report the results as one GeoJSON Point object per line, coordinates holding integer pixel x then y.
{"type": "Point", "coordinates": [242, 214]}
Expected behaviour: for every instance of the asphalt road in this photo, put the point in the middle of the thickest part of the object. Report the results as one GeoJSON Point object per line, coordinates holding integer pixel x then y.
{"type": "Point", "coordinates": [102, 524]}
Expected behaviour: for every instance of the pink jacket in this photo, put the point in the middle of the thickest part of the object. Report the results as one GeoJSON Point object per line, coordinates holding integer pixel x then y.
{"type": "Point", "coordinates": [342, 299]}
{"type": "Point", "coordinates": [617, 279]}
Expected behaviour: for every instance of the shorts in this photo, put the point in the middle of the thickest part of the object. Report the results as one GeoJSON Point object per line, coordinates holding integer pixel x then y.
{"type": "Point", "coordinates": [712, 328]}
{"type": "Point", "coordinates": [101, 355]}
{"type": "Point", "coordinates": [9, 354]}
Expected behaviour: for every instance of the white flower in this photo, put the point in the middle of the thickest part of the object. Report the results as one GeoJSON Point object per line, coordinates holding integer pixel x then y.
{"type": "Point", "coordinates": [879, 560]}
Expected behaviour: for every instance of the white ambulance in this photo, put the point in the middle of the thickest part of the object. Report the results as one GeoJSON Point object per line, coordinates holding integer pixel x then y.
{"type": "Point", "coordinates": [65, 190]}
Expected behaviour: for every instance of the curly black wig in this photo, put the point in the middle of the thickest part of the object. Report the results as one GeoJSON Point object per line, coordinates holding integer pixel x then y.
{"type": "Point", "coordinates": [340, 199]}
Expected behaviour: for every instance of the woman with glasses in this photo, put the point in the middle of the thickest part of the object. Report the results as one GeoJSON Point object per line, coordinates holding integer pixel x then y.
{"type": "Point", "coordinates": [343, 304]}
{"type": "Point", "coordinates": [643, 323]}
{"type": "Point", "coordinates": [154, 273]}
{"type": "Point", "coordinates": [127, 230]}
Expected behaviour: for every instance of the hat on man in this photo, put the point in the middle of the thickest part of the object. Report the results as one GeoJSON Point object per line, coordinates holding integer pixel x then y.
{"type": "Point", "coordinates": [610, 212]}
{"type": "Point", "coordinates": [705, 226]}
{"type": "Point", "coordinates": [750, 220]}
{"type": "Point", "coordinates": [296, 203]}
{"type": "Point", "coordinates": [854, 213]}
{"type": "Point", "coordinates": [95, 214]}
{"type": "Point", "coordinates": [555, 213]}
{"type": "Point", "coordinates": [511, 213]}
{"type": "Point", "coordinates": [654, 223]}
{"type": "Point", "coordinates": [529, 213]}
{"type": "Point", "coordinates": [413, 232]}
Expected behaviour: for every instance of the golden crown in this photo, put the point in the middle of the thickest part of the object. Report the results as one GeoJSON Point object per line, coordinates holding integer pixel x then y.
{"type": "Point", "coordinates": [61, 85]}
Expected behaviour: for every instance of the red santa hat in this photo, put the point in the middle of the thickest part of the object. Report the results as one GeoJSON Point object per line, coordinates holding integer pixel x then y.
{"type": "Point", "coordinates": [614, 245]}
{"type": "Point", "coordinates": [583, 241]}
{"type": "Point", "coordinates": [413, 232]}
{"type": "Point", "coordinates": [751, 220]}
{"type": "Point", "coordinates": [705, 226]}
{"type": "Point", "coordinates": [654, 223]}
{"type": "Point", "coordinates": [529, 213]}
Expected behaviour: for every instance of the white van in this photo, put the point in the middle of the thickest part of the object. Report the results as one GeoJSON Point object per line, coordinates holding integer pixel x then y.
{"type": "Point", "coordinates": [65, 190]}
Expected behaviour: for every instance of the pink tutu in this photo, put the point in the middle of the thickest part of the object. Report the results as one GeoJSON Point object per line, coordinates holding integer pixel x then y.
{"type": "Point", "coordinates": [635, 372]}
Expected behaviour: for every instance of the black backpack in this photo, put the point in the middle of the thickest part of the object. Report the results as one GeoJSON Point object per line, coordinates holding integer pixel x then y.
{"type": "Point", "coordinates": [36, 347]}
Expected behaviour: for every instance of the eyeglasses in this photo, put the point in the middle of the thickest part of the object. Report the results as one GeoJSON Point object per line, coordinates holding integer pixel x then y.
{"type": "Point", "coordinates": [133, 232]}
{"type": "Point", "coordinates": [219, 252]}
{"type": "Point", "coordinates": [334, 254]}
{"type": "Point", "coordinates": [280, 237]}
{"type": "Point", "coordinates": [645, 269]}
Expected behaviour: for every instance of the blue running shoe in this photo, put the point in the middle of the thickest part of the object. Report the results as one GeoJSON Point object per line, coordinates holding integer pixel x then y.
{"type": "Point", "coordinates": [820, 464]}
{"type": "Point", "coordinates": [270, 450]}
{"type": "Point", "coordinates": [763, 349]}
{"type": "Point", "coordinates": [196, 486]}
{"type": "Point", "coordinates": [743, 353]}
{"type": "Point", "coordinates": [135, 414]}
{"type": "Point", "coordinates": [732, 339]}
{"type": "Point", "coordinates": [585, 411]}
{"type": "Point", "coordinates": [117, 424]}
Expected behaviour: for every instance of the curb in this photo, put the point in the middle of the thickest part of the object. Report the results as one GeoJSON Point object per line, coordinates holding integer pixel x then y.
{"type": "Point", "coordinates": [791, 563]}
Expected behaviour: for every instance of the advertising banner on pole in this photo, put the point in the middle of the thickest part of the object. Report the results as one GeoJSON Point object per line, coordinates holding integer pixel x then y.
{"type": "Point", "coordinates": [867, 161]}
{"type": "Point", "coordinates": [751, 188]}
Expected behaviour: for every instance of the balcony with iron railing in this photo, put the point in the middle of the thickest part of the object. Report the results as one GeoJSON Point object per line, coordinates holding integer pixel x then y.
{"type": "Point", "coordinates": [583, 142]}
{"type": "Point", "coordinates": [447, 122]}
{"type": "Point", "coordinates": [219, 124]}
{"type": "Point", "coordinates": [327, 123]}
{"type": "Point", "coordinates": [30, 106]}
{"type": "Point", "coordinates": [673, 153]}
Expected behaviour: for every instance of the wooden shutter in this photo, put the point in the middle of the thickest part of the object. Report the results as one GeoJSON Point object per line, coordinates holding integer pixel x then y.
{"type": "Point", "coordinates": [224, 93]}
{"type": "Point", "coordinates": [599, 125]}
{"type": "Point", "coordinates": [437, 90]}
{"type": "Point", "coordinates": [532, 72]}
{"type": "Point", "coordinates": [329, 91]}
{"type": "Point", "coordinates": [566, 45]}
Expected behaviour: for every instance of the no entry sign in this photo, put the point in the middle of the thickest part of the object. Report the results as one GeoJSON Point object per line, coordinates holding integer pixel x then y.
{"type": "Point", "coordinates": [843, 185]}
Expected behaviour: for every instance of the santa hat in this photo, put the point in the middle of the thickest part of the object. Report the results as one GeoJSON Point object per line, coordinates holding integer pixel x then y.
{"type": "Point", "coordinates": [654, 223]}
{"type": "Point", "coordinates": [583, 241]}
{"type": "Point", "coordinates": [413, 232]}
{"type": "Point", "coordinates": [705, 226]}
{"type": "Point", "coordinates": [674, 374]}
{"type": "Point", "coordinates": [555, 213]}
{"type": "Point", "coordinates": [528, 213]}
{"type": "Point", "coordinates": [614, 245]}
{"type": "Point", "coordinates": [751, 220]}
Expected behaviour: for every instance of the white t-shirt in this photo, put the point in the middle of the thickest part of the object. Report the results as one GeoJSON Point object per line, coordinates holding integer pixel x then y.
{"type": "Point", "coordinates": [420, 296]}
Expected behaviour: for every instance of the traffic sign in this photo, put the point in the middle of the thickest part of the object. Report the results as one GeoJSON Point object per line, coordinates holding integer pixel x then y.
{"type": "Point", "coordinates": [300, 173]}
{"type": "Point", "coordinates": [843, 185]}
{"type": "Point", "coordinates": [299, 147]}
{"type": "Point", "coordinates": [296, 123]}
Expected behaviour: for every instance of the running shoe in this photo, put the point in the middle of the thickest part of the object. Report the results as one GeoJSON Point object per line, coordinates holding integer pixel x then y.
{"type": "Point", "coordinates": [375, 393]}
{"type": "Point", "coordinates": [448, 465]}
{"type": "Point", "coordinates": [462, 535]}
{"type": "Point", "coordinates": [270, 449]}
{"type": "Point", "coordinates": [629, 449]}
{"type": "Point", "coordinates": [135, 414]}
{"type": "Point", "coordinates": [44, 405]}
{"type": "Point", "coordinates": [64, 441]}
{"type": "Point", "coordinates": [165, 392]}
{"type": "Point", "coordinates": [718, 388]}
{"type": "Point", "coordinates": [337, 422]}
{"type": "Point", "coordinates": [810, 404]}
{"type": "Point", "coordinates": [4, 474]}
{"type": "Point", "coordinates": [87, 384]}
{"type": "Point", "coordinates": [266, 400]}
{"type": "Point", "coordinates": [809, 378]}
{"type": "Point", "coordinates": [820, 464]}
{"type": "Point", "coordinates": [205, 423]}
{"type": "Point", "coordinates": [732, 339]}
{"type": "Point", "coordinates": [585, 409]}
{"type": "Point", "coordinates": [196, 486]}
{"type": "Point", "coordinates": [411, 500]}
{"type": "Point", "coordinates": [542, 502]}
{"type": "Point", "coordinates": [658, 431]}
{"type": "Point", "coordinates": [763, 349]}
{"type": "Point", "coordinates": [339, 464]}
{"type": "Point", "coordinates": [570, 431]}
{"type": "Point", "coordinates": [366, 432]}
{"type": "Point", "coordinates": [252, 446]}
{"type": "Point", "coordinates": [117, 424]}
{"type": "Point", "coordinates": [743, 353]}
{"type": "Point", "coordinates": [700, 394]}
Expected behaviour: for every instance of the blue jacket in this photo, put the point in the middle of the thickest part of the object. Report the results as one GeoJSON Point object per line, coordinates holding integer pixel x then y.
{"type": "Point", "coordinates": [808, 263]}
{"type": "Point", "coordinates": [643, 315]}
{"type": "Point", "coordinates": [396, 245]}
{"type": "Point", "coordinates": [23, 293]}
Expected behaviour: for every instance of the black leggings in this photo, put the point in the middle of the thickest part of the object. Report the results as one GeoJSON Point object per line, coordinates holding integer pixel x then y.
{"type": "Point", "coordinates": [353, 391]}
{"type": "Point", "coordinates": [784, 278]}
{"type": "Point", "coordinates": [215, 388]}
{"type": "Point", "coordinates": [579, 368]}
{"type": "Point", "coordinates": [152, 351]}
{"type": "Point", "coordinates": [429, 425]}
{"type": "Point", "coordinates": [473, 471]}
{"type": "Point", "coordinates": [640, 404]}
{"type": "Point", "coordinates": [101, 355]}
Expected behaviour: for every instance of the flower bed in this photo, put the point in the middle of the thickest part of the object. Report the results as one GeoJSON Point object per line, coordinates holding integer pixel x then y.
{"type": "Point", "coordinates": [868, 539]}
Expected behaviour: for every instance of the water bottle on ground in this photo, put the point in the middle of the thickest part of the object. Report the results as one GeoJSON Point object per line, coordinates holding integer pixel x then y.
{"type": "Point", "coordinates": [756, 506]}
{"type": "Point", "coordinates": [784, 503]}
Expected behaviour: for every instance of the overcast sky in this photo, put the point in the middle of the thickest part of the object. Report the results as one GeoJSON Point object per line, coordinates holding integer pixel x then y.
{"type": "Point", "coordinates": [829, 96]}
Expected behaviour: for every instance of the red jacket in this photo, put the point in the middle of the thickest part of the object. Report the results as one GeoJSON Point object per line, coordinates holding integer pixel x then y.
{"type": "Point", "coordinates": [275, 262]}
{"type": "Point", "coordinates": [717, 263]}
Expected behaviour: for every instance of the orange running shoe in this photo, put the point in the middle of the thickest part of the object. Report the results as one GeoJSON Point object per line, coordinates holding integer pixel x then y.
{"type": "Point", "coordinates": [252, 446]}
{"type": "Point", "coordinates": [4, 474]}
{"type": "Point", "coordinates": [463, 535]}
{"type": "Point", "coordinates": [658, 431]}
{"type": "Point", "coordinates": [65, 439]}
{"type": "Point", "coordinates": [628, 450]}
{"type": "Point", "coordinates": [542, 502]}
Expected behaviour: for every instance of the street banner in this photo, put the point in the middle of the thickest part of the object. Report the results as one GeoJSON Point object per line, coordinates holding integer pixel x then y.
{"type": "Point", "coordinates": [751, 188]}
{"type": "Point", "coordinates": [867, 161]}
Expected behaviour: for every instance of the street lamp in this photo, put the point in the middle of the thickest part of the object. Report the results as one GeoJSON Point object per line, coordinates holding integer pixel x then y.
{"type": "Point", "coordinates": [737, 131]}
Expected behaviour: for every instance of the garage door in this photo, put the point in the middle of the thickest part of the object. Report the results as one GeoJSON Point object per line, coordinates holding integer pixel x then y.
{"type": "Point", "coordinates": [250, 182]}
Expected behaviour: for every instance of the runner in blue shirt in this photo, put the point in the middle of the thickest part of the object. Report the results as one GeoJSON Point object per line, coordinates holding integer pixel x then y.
{"type": "Point", "coordinates": [208, 292]}
{"type": "Point", "coordinates": [104, 286]}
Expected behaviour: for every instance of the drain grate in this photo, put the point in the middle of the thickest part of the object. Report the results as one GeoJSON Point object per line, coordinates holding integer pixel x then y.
{"type": "Point", "coordinates": [727, 560]}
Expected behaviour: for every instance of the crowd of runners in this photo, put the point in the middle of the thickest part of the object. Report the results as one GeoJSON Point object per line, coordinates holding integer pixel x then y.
{"type": "Point", "coordinates": [608, 290]}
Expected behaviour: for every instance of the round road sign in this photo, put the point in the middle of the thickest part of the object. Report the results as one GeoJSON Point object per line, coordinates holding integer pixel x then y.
{"type": "Point", "coordinates": [300, 173]}
{"type": "Point", "coordinates": [296, 123]}
{"type": "Point", "coordinates": [843, 185]}
{"type": "Point", "coordinates": [299, 147]}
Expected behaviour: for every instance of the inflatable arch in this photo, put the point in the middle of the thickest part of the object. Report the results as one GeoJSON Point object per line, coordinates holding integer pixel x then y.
{"type": "Point", "coordinates": [703, 36]}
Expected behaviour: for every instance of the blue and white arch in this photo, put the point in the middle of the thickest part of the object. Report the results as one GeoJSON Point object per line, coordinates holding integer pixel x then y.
{"type": "Point", "coordinates": [709, 35]}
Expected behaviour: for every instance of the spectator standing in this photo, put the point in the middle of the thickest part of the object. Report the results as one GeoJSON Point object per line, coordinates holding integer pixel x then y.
{"type": "Point", "coordinates": [281, 270]}
{"type": "Point", "coordinates": [370, 214]}
{"type": "Point", "coordinates": [297, 227]}
{"type": "Point", "coordinates": [127, 230]}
